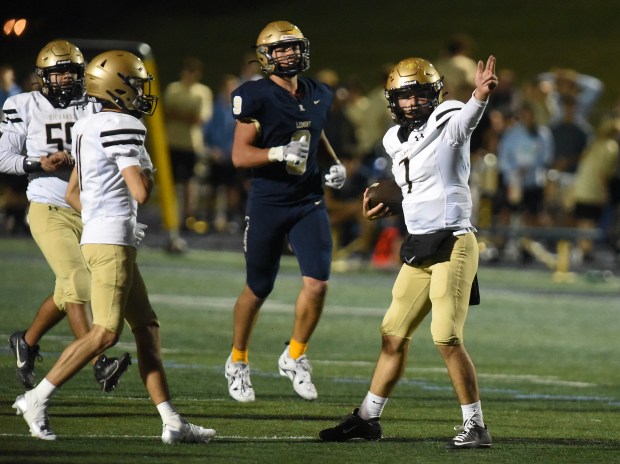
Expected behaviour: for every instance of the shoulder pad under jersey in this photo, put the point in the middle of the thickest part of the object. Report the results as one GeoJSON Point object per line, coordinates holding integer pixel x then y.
{"type": "Point", "coordinates": [444, 112]}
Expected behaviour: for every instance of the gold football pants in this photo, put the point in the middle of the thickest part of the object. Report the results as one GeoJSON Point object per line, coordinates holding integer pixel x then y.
{"type": "Point", "coordinates": [118, 291]}
{"type": "Point", "coordinates": [57, 232]}
{"type": "Point", "coordinates": [441, 287]}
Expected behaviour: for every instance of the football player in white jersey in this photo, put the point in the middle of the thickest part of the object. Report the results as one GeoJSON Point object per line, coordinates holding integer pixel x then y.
{"type": "Point", "coordinates": [39, 124]}
{"type": "Point", "coordinates": [112, 175]}
{"type": "Point", "coordinates": [430, 154]}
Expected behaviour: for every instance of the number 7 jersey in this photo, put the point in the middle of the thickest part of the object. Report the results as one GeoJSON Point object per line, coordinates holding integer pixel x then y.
{"type": "Point", "coordinates": [33, 127]}
{"type": "Point", "coordinates": [432, 167]}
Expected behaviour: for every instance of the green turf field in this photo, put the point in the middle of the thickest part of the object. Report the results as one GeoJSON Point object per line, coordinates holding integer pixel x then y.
{"type": "Point", "coordinates": [546, 353]}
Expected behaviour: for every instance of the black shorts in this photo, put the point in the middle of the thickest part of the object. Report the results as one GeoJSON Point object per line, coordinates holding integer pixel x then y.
{"type": "Point", "coordinates": [590, 212]}
{"type": "Point", "coordinates": [532, 202]}
{"type": "Point", "coordinates": [223, 174]}
{"type": "Point", "coordinates": [183, 163]}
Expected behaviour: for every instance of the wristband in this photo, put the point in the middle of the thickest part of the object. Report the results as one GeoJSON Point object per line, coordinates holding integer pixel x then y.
{"type": "Point", "coordinates": [276, 154]}
{"type": "Point", "coordinates": [32, 165]}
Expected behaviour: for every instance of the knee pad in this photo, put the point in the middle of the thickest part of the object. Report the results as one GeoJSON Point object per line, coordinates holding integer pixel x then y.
{"type": "Point", "coordinates": [446, 333]}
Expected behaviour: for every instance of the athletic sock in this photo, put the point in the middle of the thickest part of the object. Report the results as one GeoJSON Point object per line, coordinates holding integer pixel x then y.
{"type": "Point", "coordinates": [473, 412]}
{"type": "Point", "coordinates": [296, 349]}
{"type": "Point", "coordinates": [372, 406]}
{"type": "Point", "coordinates": [44, 390]}
{"type": "Point", "coordinates": [169, 414]}
{"type": "Point", "coordinates": [239, 355]}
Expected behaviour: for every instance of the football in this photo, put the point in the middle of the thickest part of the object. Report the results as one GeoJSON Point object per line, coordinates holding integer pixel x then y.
{"type": "Point", "coordinates": [388, 193]}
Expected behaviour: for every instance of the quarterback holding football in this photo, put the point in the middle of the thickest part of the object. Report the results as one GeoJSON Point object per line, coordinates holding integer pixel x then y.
{"type": "Point", "coordinates": [429, 147]}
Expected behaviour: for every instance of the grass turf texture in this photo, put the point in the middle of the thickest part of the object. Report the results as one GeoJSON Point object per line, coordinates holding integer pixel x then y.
{"type": "Point", "coordinates": [546, 355]}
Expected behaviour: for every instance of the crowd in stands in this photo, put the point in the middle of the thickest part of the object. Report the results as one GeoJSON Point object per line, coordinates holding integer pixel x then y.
{"type": "Point", "coordinates": [544, 158]}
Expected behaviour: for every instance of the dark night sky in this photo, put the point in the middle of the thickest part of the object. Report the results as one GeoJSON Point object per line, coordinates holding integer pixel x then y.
{"type": "Point", "coordinates": [355, 37]}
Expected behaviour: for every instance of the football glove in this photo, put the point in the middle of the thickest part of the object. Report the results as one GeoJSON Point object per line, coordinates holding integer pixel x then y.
{"type": "Point", "coordinates": [295, 153]}
{"type": "Point", "coordinates": [336, 177]}
{"type": "Point", "coordinates": [139, 232]}
{"type": "Point", "coordinates": [145, 163]}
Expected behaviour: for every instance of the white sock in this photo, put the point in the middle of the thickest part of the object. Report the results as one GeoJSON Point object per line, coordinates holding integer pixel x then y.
{"type": "Point", "coordinates": [473, 411]}
{"type": "Point", "coordinates": [169, 415]}
{"type": "Point", "coordinates": [372, 406]}
{"type": "Point", "coordinates": [44, 390]}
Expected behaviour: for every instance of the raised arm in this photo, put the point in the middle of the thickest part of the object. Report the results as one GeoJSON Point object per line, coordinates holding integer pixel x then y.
{"type": "Point", "coordinates": [486, 79]}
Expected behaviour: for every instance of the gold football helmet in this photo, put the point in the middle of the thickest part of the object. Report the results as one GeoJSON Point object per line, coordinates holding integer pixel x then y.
{"type": "Point", "coordinates": [119, 77]}
{"type": "Point", "coordinates": [279, 34]}
{"type": "Point", "coordinates": [60, 57]}
{"type": "Point", "coordinates": [413, 76]}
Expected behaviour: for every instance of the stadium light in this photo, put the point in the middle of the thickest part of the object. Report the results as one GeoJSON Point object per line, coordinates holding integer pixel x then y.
{"type": "Point", "coordinates": [14, 26]}
{"type": "Point", "coordinates": [20, 27]}
{"type": "Point", "coordinates": [8, 26]}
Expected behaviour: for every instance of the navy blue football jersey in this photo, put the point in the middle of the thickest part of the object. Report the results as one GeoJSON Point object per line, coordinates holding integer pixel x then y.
{"type": "Point", "coordinates": [283, 118]}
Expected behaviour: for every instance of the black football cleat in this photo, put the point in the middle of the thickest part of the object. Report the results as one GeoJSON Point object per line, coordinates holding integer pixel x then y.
{"type": "Point", "coordinates": [108, 371]}
{"type": "Point", "coordinates": [353, 427]}
{"type": "Point", "coordinates": [471, 436]}
{"type": "Point", "coordinates": [25, 355]}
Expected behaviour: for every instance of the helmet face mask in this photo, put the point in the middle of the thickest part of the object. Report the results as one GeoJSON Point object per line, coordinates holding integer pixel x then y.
{"type": "Point", "coordinates": [60, 69]}
{"type": "Point", "coordinates": [278, 38]}
{"type": "Point", "coordinates": [413, 77]}
{"type": "Point", "coordinates": [119, 78]}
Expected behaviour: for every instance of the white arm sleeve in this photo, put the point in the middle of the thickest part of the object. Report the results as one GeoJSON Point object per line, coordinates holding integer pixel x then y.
{"type": "Point", "coordinates": [461, 126]}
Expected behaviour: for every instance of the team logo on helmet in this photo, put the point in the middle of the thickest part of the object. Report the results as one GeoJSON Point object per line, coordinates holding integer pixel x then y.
{"type": "Point", "coordinates": [60, 70]}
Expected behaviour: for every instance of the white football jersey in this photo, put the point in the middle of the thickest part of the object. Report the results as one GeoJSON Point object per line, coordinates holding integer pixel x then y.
{"type": "Point", "coordinates": [103, 145]}
{"type": "Point", "coordinates": [432, 167]}
{"type": "Point", "coordinates": [33, 127]}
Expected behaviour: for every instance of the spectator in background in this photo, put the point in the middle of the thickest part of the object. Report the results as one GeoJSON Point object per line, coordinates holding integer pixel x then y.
{"type": "Point", "coordinates": [370, 114]}
{"type": "Point", "coordinates": [250, 68]}
{"type": "Point", "coordinates": [571, 135]}
{"type": "Point", "coordinates": [8, 86]}
{"type": "Point", "coordinates": [224, 180]}
{"type": "Point", "coordinates": [596, 168]}
{"type": "Point", "coordinates": [525, 152]}
{"type": "Point", "coordinates": [12, 188]}
{"type": "Point", "coordinates": [188, 105]}
{"type": "Point", "coordinates": [561, 82]}
{"type": "Point", "coordinates": [353, 234]}
{"type": "Point", "coordinates": [339, 129]}
{"type": "Point", "coordinates": [507, 96]}
{"type": "Point", "coordinates": [536, 96]}
{"type": "Point", "coordinates": [356, 108]}
{"type": "Point", "coordinates": [457, 67]}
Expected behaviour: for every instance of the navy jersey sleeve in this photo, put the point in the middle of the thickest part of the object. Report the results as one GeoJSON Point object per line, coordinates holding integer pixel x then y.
{"type": "Point", "coordinates": [246, 101]}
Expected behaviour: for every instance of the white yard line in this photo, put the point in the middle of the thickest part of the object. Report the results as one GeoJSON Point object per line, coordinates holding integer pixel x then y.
{"type": "Point", "coordinates": [134, 437]}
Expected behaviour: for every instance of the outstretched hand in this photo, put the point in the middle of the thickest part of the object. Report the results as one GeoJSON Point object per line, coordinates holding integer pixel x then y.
{"type": "Point", "coordinates": [486, 79]}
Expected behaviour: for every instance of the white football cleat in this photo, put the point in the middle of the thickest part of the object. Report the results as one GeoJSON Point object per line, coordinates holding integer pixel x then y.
{"type": "Point", "coordinates": [35, 415]}
{"type": "Point", "coordinates": [239, 383]}
{"type": "Point", "coordinates": [299, 371]}
{"type": "Point", "coordinates": [187, 433]}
